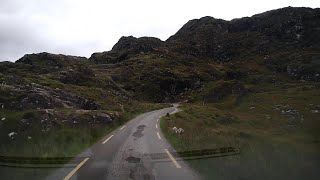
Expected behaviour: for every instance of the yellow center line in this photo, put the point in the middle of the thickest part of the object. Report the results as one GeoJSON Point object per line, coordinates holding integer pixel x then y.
{"type": "Point", "coordinates": [75, 169]}
{"type": "Point", "coordinates": [122, 127]}
{"type": "Point", "coordinates": [172, 159]}
{"type": "Point", "coordinates": [158, 135]}
{"type": "Point", "coordinates": [107, 139]}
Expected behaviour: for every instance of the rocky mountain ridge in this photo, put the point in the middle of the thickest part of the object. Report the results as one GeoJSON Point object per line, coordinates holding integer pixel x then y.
{"type": "Point", "coordinates": [274, 46]}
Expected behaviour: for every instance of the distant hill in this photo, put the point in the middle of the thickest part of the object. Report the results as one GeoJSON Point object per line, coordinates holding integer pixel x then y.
{"type": "Point", "coordinates": [284, 29]}
{"type": "Point", "coordinates": [275, 46]}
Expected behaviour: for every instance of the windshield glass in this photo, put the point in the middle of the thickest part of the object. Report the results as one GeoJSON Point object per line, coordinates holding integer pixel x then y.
{"type": "Point", "coordinates": [159, 90]}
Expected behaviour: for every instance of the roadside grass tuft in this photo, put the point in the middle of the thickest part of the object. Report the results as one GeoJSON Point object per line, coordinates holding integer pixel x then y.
{"type": "Point", "coordinates": [60, 142]}
{"type": "Point", "coordinates": [274, 143]}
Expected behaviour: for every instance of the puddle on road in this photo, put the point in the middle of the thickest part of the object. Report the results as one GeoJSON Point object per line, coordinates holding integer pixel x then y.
{"type": "Point", "coordinates": [138, 133]}
{"type": "Point", "coordinates": [139, 171]}
{"type": "Point", "coordinates": [131, 175]}
{"type": "Point", "coordinates": [139, 166]}
{"type": "Point", "coordinates": [132, 159]}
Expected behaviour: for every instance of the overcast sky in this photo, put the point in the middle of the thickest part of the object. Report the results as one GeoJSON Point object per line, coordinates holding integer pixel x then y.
{"type": "Point", "coordinates": [81, 27]}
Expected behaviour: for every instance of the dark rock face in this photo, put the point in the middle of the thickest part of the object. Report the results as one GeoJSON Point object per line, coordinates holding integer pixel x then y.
{"type": "Point", "coordinates": [143, 44]}
{"type": "Point", "coordinates": [288, 25]}
{"type": "Point", "coordinates": [300, 65]}
{"type": "Point", "coordinates": [86, 118]}
{"type": "Point", "coordinates": [284, 37]}
{"type": "Point", "coordinates": [304, 72]}
{"type": "Point", "coordinates": [288, 38]}
{"type": "Point", "coordinates": [76, 75]}
{"type": "Point", "coordinates": [46, 62]}
{"type": "Point", "coordinates": [263, 33]}
{"type": "Point", "coordinates": [283, 31]}
{"type": "Point", "coordinates": [224, 89]}
{"type": "Point", "coordinates": [34, 100]}
{"type": "Point", "coordinates": [103, 118]}
{"type": "Point", "coordinates": [127, 47]}
{"type": "Point", "coordinates": [48, 119]}
{"type": "Point", "coordinates": [41, 97]}
{"type": "Point", "coordinates": [200, 38]}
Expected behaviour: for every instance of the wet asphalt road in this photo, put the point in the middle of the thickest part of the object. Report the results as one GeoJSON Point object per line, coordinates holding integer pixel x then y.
{"type": "Point", "coordinates": [137, 150]}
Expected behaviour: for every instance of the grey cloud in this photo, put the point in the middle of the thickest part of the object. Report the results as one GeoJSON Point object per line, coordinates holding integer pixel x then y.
{"type": "Point", "coordinates": [16, 38]}
{"type": "Point", "coordinates": [22, 29]}
{"type": "Point", "coordinates": [81, 27]}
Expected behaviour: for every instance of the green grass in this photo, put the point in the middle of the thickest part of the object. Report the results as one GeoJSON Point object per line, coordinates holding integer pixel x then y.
{"type": "Point", "coordinates": [270, 146]}
{"type": "Point", "coordinates": [58, 142]}
{"type": "Point", "coordinates": [65, 142]}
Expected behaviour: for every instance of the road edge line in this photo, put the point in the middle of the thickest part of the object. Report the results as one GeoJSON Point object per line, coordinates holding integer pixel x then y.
{"type": "Point", "coordinates": [75, 169]}
{"type": "Point", "coordinates": [172, 159]}
{"type": "Point", "coordinates": [158, 135]}
{"type": "Point", "coordinates": [107, 139]}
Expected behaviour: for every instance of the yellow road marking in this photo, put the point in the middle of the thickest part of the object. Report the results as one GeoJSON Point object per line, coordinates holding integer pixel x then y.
{"type": "Point", "coordinates": [122, 127]}
{"type": "Point", "coordinates": [107, 139]}
{"type": "Point", "coordinates": [158, 135]}
{"type": "Point", "coordinates": [75, 169]}
{"type": "Point", "coordinates": [172, 159]}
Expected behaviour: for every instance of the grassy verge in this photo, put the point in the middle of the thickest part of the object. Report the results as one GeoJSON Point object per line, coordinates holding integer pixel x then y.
{"type": "Point", "coordinates": [276, 132]}
{"type": "Point", "coordinates": [58, 142]}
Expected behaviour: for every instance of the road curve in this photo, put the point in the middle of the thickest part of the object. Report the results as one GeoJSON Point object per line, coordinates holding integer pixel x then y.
{"type": "Point", "coordinates": [136, 150]}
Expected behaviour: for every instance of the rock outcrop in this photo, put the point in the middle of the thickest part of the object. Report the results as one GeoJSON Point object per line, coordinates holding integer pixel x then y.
{"type": "Point", "coordinates": [269, 32]}
{"type": "Point", "coordinates": [127, 47]}
{"type": "Point", "coordinates": [35, 96]}
{"type": "Point", "coordinates": [47, 62]}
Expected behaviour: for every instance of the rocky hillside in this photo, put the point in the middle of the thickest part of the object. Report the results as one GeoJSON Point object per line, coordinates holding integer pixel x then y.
{"type": "Point", "coordinates": [125, 48]}
{"type": "Point", "coordinates": [274, 46]}
{"type": "Point", "coordinates": [262, 34]}
{"type": "Point", "coordinates": [277, 45]}
{"type": "Point", "coordinates": [208, 59]}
